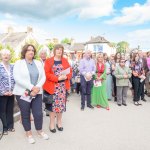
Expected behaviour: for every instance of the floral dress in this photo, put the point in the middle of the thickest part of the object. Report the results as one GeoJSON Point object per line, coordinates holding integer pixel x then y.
{"type": "Point", "coordinates": [59, 104]}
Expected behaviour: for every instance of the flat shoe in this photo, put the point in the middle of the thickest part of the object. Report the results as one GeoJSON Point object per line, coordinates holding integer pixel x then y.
{"type": "Point", "coordinates": [11, 130]}
{"type": "Point", "coordinates": [124, 104]}
{"type": "Point", "coordinates": [5, 133]}
{"type": "Point", "coordinates": [59, 128]}
{"type": "Point", "coordinates": [53, 130]}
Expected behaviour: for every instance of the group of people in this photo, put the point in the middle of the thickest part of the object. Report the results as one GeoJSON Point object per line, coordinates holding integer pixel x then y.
{"type": "Point", "coordinates": [96, 79]}
{"type": "Point", "coordinates": [26, 80]}
{"type": "Point", "coordinates": [106, 77]}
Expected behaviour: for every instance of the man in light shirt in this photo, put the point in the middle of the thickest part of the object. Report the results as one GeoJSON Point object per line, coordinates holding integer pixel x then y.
{"type": "Point", "coordinates": [87, 69]}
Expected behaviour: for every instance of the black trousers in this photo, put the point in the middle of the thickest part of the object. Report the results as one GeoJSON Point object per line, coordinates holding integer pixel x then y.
{"type": "Point", "coordinates": [78, 88]}
{"type": "Point", "coordinates": [115, 87]}
{"type": "Point", "coordinates": [138, 89]}
{"type": "Point", "coordinates": [6, 111]}
{"type": "Point", "coordinates": [36, 107]}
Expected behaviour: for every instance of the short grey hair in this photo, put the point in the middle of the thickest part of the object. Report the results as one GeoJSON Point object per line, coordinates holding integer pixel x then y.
{"type": "Point", "coordinates": [3, 52]}
{"type": "Point", "coordinates": [44, 49]}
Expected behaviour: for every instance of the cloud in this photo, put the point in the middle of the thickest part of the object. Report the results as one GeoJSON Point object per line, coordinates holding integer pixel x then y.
{"type": "Point", "coordinates": [4, 24]}
{"type": "Point", "coordinates": [48, 9]}
{"type": "Point", "coordinates": [139, 37]}
{"type": "Point", "coordinates": [134, 15]}
{"type": "Point", "coordinates": [97, 8]}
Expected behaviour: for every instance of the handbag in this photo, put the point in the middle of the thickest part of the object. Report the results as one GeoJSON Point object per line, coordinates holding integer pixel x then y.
{"type": "Point", "coordinates": [47, 98]}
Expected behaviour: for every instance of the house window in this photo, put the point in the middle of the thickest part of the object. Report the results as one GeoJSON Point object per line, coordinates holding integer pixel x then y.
{"type": "Point", "coordinates": [98, 48]}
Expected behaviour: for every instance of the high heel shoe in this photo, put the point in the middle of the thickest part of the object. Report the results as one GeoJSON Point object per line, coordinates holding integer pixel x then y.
{"type": "Point", "coordinates": [59, 128]}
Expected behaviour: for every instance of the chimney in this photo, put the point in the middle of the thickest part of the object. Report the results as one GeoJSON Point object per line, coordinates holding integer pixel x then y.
{"type": "Point", "coordinates": [29, 30]}
{"type": "Point", "coordinates": [10, 29]}
{"type": "Point", "coordinates": [72, 41]}
{"type": "Point", "coordinates": [92, 37]}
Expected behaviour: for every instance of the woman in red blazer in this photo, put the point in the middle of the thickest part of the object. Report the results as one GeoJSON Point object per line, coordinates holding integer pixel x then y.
{"type": "Point", "coordinates": [57, 84]}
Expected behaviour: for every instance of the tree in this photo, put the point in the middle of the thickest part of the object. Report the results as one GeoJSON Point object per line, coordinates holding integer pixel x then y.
{"type": "Point", "coordinates": [1, 46]}
{"type": "Point", "coordinates": [66, 41]}
{"type": "Point", "coordinates": [113, 44]}
{"type": "Point", "coordinates": [50, 46]}
{"type": "Point", "coordinates": [122, 46]}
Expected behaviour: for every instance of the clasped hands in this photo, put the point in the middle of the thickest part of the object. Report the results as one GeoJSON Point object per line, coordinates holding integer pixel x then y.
{"type": "Point", "coordinates": [88, 76]}
{"type": "Point", "coordinates": [8, 93]}
{"type": "Point", "coordinates": [125, 76]}
{"type": "Point", "coordinates": [35, 90]}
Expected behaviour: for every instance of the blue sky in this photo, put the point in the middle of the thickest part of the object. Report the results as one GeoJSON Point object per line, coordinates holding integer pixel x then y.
{"type": "Point", "coordinates": [116, 20]}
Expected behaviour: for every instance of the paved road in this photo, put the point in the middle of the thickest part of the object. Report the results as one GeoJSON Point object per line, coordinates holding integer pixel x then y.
{"type": "Point", "coordinates": [120, 128]}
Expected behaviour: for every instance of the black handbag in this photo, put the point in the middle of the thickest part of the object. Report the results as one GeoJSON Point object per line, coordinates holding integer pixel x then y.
{"type": "Point", "coordinates": [47, 98]}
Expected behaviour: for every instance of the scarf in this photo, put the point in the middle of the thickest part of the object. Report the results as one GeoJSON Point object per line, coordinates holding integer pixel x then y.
{"type": "Point", "coordinates": [100, 69]}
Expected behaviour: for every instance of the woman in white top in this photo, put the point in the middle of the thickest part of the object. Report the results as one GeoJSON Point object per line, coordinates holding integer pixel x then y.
{"type": "Point", "coordinates": [29, 77]}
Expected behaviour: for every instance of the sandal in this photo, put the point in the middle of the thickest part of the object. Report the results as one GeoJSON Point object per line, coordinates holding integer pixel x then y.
{"type": "Point", "coordinates": [11, 130]}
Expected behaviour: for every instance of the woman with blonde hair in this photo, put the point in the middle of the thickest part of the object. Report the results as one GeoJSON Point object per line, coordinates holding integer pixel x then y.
{"type": "Point", "coordinates": [56, 85]}
{"type": "Point", "coordinates": [99, 96]}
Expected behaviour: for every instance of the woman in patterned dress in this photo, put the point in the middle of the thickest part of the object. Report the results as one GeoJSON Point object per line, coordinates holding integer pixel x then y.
{"type": "Point", "coordinates": [57, 84]}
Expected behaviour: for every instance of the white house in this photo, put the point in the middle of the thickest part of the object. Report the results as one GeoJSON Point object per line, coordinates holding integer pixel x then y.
{"type": "Point", "coordinates": [100, 44]}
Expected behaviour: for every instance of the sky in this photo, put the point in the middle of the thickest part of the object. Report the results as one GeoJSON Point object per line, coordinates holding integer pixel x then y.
{"type": "Point", "coordinates": [116, 20]}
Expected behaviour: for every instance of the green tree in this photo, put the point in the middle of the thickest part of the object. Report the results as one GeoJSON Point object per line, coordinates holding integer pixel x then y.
{"type": "Point", "coordinates": [122, 46]}
{"type": "Point", "coordinates": [113, 44]}
{"type": "Point", "coordinates": [66, 41]}
{"type": "Point", "coordinates": [13, 55]}
{"type": "Point", "coordinates": [50, 46]}
{"type": "Point", "coordinates": [1, 46]}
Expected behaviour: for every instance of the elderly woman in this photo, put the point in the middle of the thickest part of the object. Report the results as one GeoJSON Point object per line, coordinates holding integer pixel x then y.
{"type": "Point", "coordinates": [29, 77]}
{"type": "Point", "coordinates": [6, 87]}
{"type": "Point", "coordinates": [57, 84]}
{"type": "Point", "coordinates": [122, 74]}
{"type": "Point", "coordinates": [43, 53]}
